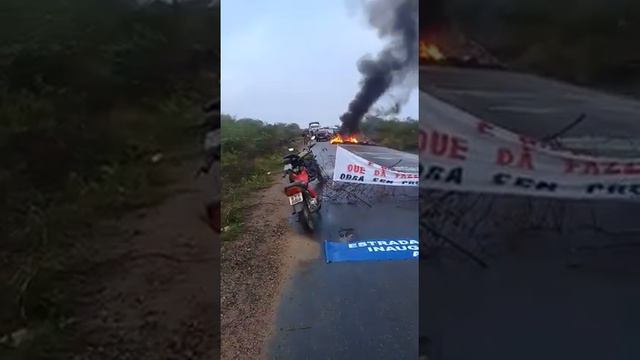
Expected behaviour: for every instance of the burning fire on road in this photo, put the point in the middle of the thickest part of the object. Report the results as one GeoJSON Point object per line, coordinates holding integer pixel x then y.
{"type": "Point", "coordinates": [339, 139]}
{"type": "Point", "coordinates": [453, 49]}
{"type": "Point", "coordinates": [430, 52]}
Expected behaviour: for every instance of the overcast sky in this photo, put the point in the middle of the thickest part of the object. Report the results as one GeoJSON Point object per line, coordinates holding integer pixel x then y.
{"type": "Point", "coordinates": [295, 61]}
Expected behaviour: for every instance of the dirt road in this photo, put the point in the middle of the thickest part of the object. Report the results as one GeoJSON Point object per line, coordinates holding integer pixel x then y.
{"type": "Point", "coordinates": [254, 269]}
{"type": "Point", "coordinates": [153, 290]}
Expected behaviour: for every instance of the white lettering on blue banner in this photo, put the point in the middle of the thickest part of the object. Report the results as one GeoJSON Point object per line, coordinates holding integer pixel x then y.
{"type": "Point", "coordinates": [371, 250]}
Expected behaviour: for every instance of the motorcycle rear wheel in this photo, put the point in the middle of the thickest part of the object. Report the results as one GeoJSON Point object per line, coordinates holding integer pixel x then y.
{"type": "Point", "coordinates": [306, 219]}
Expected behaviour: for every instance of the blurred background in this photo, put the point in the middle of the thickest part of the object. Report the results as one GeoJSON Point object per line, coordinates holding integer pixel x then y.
{"type": "Point", "coordinates": [97, 99]}
{"type": "Point", "coordinates": [587, 42]}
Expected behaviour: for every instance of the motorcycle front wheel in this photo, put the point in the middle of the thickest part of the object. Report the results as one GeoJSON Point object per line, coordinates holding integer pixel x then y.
{"type": "Point", "coordinates": [306, 219]}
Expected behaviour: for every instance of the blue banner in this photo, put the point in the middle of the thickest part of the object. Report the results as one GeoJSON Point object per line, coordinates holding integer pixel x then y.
{"type": "Point", "coordinates": [371, 250]}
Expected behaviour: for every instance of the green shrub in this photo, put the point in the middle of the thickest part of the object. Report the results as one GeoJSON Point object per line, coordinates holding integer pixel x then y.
{"type": "Point", "coordinates": [251, 150]}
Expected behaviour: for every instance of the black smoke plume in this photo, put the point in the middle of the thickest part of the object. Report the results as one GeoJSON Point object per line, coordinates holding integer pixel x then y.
{"type": "Point", "coordinates": [396, 20]}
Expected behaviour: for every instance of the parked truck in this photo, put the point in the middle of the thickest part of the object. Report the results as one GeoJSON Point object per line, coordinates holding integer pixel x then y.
{"type": "Point", "coordinates": [313, 127]}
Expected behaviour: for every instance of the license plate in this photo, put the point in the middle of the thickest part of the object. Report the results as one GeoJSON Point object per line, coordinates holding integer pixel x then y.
{"type": "Point", "coordinates": [294, 199]}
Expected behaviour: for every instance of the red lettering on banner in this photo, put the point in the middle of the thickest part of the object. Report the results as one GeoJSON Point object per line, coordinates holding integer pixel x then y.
{"type": "Point", "coordinates": [590, 167]}
{"type": "Point", "coordinates": [441, 144]}
{"type": "Point", "coordinates": [485, 128]}
{"type": "Point", "coordinates": [570, 166]}
{"type": "Point", "coordinates": [407, 176]}
{"type": "Point", "coordinates": [458, 148]}
{"type": "Point", "coordinates": [357, 169]}
{"type": "Point", "coordinates": [505, 157]}
{"type": "Point", "coordinates": [613, 168]}
{"type": "Point", "coordinates": [526, 160]}
{"type": "Point", "coordinates": [422, 140]}
{"type": "Point", "coordinates": [380, 173]}
{"type": "Point", "coordinates": [631, 169]}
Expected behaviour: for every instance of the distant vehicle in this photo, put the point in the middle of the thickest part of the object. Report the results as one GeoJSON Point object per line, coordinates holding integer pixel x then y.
{"type": "Point", "coordinates": [313, 127]}
{"type": "Point", "coordinates": [324, 135]}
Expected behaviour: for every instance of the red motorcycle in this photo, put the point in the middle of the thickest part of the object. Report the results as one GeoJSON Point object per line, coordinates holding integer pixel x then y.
{"type": "Point", "coordinates": [302, 197]}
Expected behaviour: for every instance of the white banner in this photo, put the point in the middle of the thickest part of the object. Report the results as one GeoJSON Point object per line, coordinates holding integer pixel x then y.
{"type": "Point", "coordinates": [352, 168]}
{"type": "Point", "coordinates": [461, 152]}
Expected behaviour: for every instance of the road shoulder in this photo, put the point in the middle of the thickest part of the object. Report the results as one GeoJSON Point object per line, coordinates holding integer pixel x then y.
{"type": "Point", "coordinates": [255, 268]}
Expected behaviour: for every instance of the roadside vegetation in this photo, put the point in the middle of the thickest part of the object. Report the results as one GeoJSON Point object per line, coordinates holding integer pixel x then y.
{"type": "Point", "coordinates": [393, 133]}
{"type": "Point", "coordinates": [95, 101]}
{"type": "Point", "coordinates": [252, 152]}
{"type": "Point", "coordinates": [588, 42]}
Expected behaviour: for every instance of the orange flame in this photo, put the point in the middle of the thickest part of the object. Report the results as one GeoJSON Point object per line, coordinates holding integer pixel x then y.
{"type": "Point", "coordinates": [430, 52]}
{"type": "Point", "coordinates": [338, 139]}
